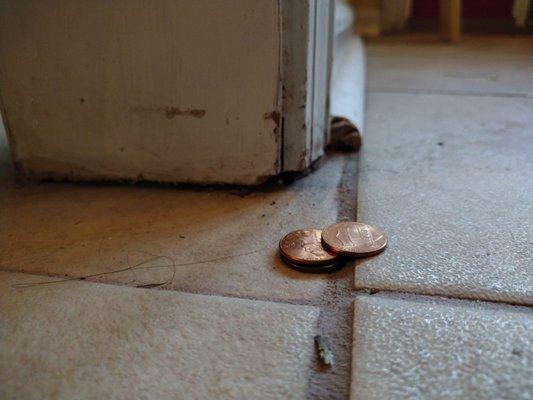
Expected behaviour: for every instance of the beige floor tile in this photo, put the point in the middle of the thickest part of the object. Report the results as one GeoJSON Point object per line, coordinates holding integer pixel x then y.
{"type": "Point", "coordinates": [228, 242]}
{"type": "Point", "coordinates": [449, 178]}
{"type": "Point", "coordinates": [486, 65]}
{"type": "Point", "coordinates": [96, 341]}
{"type": "Point", "coordinates": [420, 348]}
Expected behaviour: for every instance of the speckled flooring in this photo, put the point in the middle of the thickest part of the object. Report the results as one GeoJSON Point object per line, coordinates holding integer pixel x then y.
{"type": "Point", "coordinates": [179, 293]}
{"type": "Point", "coordinates": [447, 171]}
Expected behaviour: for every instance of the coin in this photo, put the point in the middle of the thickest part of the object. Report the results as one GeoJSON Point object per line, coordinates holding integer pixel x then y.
{"type": "Point", "coordinates": [355, 239]}
{"type": "Point", "coordinates": [304, 246]}
{"type": "Point", "coordinates": [317, 269]}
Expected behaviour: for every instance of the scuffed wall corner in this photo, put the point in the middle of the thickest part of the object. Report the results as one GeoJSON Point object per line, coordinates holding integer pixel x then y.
{"type": "Point", "coordinates": [274, 116]}
{"type": "Point", "coordinates": [5, 128]}
{"type": "Point", "coordinates": [306, 60]}
{"type": "Point", "coordinates": [277, 132]}
{"type": "Point", "coordinates": [278, 101]}
{"type": "Point", "coordinates": [297, 21]}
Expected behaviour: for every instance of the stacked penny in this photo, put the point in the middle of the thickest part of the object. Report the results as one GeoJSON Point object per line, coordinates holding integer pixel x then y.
{"type": "Point", "coordinates": [315, 250]}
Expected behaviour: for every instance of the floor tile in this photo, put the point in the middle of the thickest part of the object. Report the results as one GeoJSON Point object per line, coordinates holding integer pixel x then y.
{"type": "Point", "coordinates": [420, 348]}
{"type": "Point", "coordinates": [449, 179]}
{"type": "Point", "coordinates": [90, 340]}
{"type": "Point", "coordinates": [218, 241]}
{"type": "Point", "coordinates": [485, 65]}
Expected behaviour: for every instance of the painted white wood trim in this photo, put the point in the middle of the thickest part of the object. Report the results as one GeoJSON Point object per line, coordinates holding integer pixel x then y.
{"type": "Point", "coordinates": [321, 76]}
{"type": "Point", "coordinates": [298, 45]}
{"type": "Point", "coordinates": [305, 75]}
{"type": "Point", "coordinates": [171, 90]}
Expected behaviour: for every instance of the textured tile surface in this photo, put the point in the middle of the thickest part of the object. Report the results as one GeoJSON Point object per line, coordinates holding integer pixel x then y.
{"type": "Point", "coordinates": [486, 65]}
{"type": "Point", "coordinates": [89, 340]}
{"type": "Point", "coordinates": [449, 178]}
{"type": "Point", "coordinates": [228, 242]}
{"type": "Point", "coordinates": [419, 348]}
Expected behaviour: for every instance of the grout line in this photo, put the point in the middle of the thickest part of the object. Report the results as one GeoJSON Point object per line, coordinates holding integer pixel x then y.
{"type": "Point", "coordinates": [336, 316]}
{"type": "Point", "coordinates": [296, 302]}
{"type": "Point", "coordinates": [40, 274]}
{"type": "Point", "coordinates": [445, 92]}
{"type": "Point", "coordinates": [318, 302]}
{"type": "Point", "coordinates": [370, 291]}
{"type": "Point", "coordinates": [68, 279]}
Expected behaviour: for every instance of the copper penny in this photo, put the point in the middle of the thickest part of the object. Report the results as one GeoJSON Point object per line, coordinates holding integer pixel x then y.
{"type": "Point", "coordinates": [314, 268]}
{"type": "Point", "coordinates": [304, 246]}
{"type": "Point", "coordinates": [354, 239]}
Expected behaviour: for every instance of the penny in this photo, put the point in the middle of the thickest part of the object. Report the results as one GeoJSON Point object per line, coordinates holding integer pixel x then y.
{"type": "Point", "coordinates": [304, 246]}
{"type": "Point", "coordinates": [354, 239]}
{"type": "Point", "coordinates": [316, 269]}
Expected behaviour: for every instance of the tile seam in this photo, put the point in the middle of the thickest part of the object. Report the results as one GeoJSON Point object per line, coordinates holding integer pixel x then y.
{"type": "Point", "coordinates": [442, 92]}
